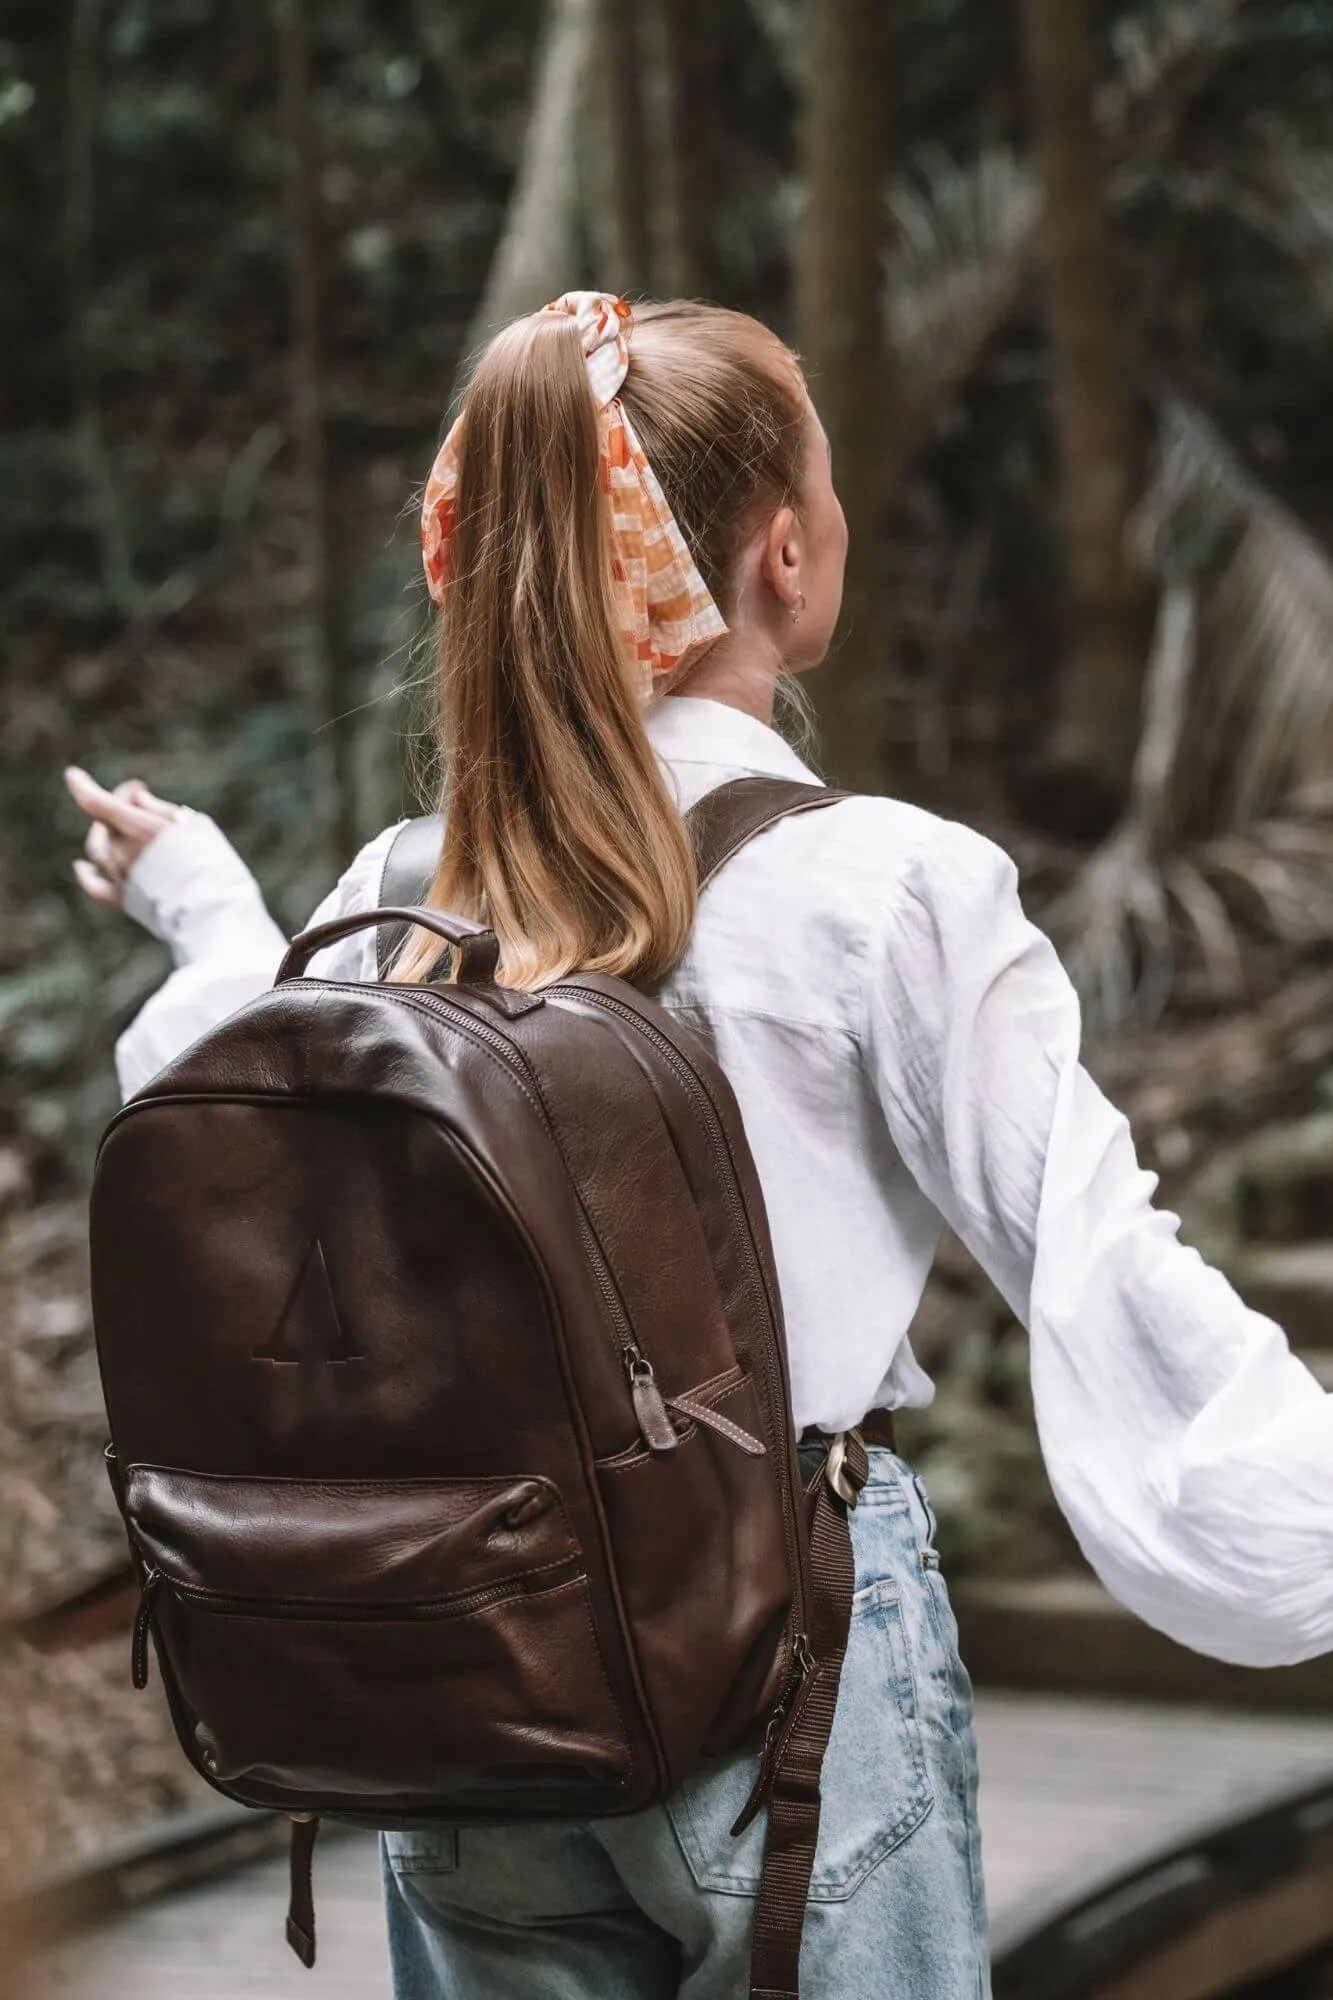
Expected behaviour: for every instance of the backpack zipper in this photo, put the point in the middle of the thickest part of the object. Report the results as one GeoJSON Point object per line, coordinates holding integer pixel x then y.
{"type": "Point", "coordinates": [329, 1610]}
{"type": "Point", "coordinates": [791, 1702]}
{"type": "Point", "coordinates": [650, 1410]}
{"type": "Point", "coordinates": [143, 1618]}
{"type": "Point", "coordinates": [703, 1097]}
{"type": "Point", "coordinates": [337, 1611]}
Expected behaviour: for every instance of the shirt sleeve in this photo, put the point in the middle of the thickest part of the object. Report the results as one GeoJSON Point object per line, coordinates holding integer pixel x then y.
{"type": "Point", "coordinates": [190, 888]}
{"type": "Point", "coordinates": [1191, 1452]}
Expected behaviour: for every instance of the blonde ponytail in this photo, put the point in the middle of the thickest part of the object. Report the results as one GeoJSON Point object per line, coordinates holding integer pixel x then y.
{"type": "Point", "coordinates": [559, 829]}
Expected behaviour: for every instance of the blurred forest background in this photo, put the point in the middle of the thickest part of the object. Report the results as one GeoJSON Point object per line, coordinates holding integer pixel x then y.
{"type": "Point", "coordinates": [1062, 272]}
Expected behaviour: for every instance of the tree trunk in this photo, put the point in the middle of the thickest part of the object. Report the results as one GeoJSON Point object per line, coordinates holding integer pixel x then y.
{"type": "Point", "coordinates": [537, 255]}
{"type": "Point", "coordinates": [335, 765]}
{"type": "Point", "coordinates": [842, 335]}
{"type": "Point", "coordinates": [687, 102]}
{"type": "Point", "coordinates": [1101, 449]}
{"type": "Point", "coordinates": [618, 181]}
{"type": "Point", "coordinates": [439, 32]}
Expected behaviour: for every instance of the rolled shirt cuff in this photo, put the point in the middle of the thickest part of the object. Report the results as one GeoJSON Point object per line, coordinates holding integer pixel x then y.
{"type": "Point", "coordinates": [191, 888]}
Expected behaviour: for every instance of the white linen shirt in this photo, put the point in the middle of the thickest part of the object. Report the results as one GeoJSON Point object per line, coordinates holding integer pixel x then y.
{"type": "Point", "coordinates": [904, 1047]}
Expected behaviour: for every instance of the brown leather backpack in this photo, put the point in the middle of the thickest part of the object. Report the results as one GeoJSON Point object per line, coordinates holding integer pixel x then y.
{"type": "Point", "coordinates": [449, 1407]}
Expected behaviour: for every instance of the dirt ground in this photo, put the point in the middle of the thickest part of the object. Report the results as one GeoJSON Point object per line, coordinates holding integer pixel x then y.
{"type": "Point", "coordinates": [85, 1756]}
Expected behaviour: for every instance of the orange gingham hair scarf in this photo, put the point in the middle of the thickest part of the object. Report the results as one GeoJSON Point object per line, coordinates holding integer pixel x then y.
{"type": "Point", "coordinates": [664, 603]}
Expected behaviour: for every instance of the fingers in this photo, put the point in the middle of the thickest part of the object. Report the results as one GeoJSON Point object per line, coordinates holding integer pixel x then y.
{"type": "Point", "coordinates": [96, 886]}
{"type": "Point", "coordinates": [111, 852]}
{"type": "Point", "coordinates": [124, 823]}
{"type": "Point", "coordinates": [100, 849]}
{"type": "Point", "coordinates": [135, 822]}
{"type": "Point", "coordinates": [136, 793]}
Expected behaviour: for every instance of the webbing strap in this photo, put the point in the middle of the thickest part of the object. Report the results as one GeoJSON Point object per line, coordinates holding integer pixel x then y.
{"type": "Point", "coordinates": [793, 1799]}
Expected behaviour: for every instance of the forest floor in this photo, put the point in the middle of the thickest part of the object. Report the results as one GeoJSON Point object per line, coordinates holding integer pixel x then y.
{"type": "Point", "coordinates": [84, 1752]}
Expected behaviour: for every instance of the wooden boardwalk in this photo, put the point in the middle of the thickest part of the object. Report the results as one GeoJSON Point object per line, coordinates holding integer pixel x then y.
{"type": "Point", "coordinates": [1074, 1791]}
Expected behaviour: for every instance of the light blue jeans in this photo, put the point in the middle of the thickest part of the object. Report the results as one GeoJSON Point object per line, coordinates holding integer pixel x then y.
{"type": "Point", "coordinates": [661, 1904]}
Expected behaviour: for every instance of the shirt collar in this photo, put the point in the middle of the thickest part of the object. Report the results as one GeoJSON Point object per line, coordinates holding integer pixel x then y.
{"type": "Point", "coordinates": [685, 729]}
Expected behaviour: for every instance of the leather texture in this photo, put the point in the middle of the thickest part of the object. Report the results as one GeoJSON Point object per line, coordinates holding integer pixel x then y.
{"type": "Point", "coordinates": [478, 949]}
{"type": "Point", "coordinates": [724, 820]}
{"type": "Point", "coordinates": [444, 1362]}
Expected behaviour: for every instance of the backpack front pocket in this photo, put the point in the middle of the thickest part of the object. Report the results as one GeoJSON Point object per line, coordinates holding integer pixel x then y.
{"type": "Point", "coordinates": [390, 1641]}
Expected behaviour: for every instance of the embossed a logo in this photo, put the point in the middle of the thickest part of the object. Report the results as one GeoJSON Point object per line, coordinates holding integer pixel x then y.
{"type": "Point", "coordinates": [308, 1327]}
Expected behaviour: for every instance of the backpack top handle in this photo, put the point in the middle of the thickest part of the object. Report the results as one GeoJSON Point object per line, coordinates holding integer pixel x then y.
{"type": "Point", "coordinates": [478, 949]}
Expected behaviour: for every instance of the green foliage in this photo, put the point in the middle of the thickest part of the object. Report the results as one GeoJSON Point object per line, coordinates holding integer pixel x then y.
{"type": "Point", "coordinates": [416, 133]}
{"type": "Point", "coordinates": [200, 682]}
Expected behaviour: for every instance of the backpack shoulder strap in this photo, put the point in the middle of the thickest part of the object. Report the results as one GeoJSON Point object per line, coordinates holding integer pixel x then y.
{"type": "Point", "coordinates": [798, 1733]}
{"type": "Point", "coordinates": [724, 820]}
{"type": "Point", "coordinates": [409, 865]}
{"type": "Point", "coordinates": [720, 824]}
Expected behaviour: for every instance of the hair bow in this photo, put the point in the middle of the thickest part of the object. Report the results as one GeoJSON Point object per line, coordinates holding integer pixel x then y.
{"type": "Point", "coordinates": [664, 604]}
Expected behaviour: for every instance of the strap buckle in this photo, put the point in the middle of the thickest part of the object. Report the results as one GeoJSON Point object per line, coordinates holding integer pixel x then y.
{"type": "Point", "coordinates": [835, 1469]}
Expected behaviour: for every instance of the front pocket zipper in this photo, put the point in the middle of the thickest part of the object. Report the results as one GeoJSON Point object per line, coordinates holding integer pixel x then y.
{"type": "Point", "coordinates": [316, 1610]}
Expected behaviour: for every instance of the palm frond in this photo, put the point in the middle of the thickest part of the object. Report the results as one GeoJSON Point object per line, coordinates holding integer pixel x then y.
{"type": "Point", "coordinates": [1263, 722]}
{"type": "Point", "coordinates": [964, 236]}
{"type": "Point", "coordinates": [1204, 914]}
{"type": "Point", "coordinates": [1113, 929]}
{"type": "Point", "coordinates": [1163, 58]}
{"type": "Point", "coordinates": [1228, 836]}
{"type": "Point", "coordinates": [1114, 921]}
{"type": "Point", "coordinates": [1136, 929]}
{"type": "Point", "coordinates": [1293, 206]}
{"type": "Point", "coordinates": [1278, 875]}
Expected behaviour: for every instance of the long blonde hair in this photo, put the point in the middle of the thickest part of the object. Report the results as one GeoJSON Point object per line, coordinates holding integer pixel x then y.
{"type": "Point", "coordinates": [559, 830]}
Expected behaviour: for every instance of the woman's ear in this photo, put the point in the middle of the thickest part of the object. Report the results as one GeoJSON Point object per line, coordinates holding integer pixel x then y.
{"type": "Point", "coordinates": [781, 561]}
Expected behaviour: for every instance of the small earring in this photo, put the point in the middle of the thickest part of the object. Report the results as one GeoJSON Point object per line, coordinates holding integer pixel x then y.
{"type": "Point", "coordinates": [796, 614]}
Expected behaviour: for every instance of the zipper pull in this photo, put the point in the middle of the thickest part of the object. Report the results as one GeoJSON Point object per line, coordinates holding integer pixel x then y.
{"type": "Point", "coordinates": [143, 1619]}
{"type": "Point", "coordinates": [790, 1703]}
{"type": "Point", "coordinates": [655, 1425]}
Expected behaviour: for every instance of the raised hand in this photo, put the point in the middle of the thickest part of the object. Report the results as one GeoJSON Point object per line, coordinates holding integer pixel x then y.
{"type": "Point", "coordinates": [124, 821]}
